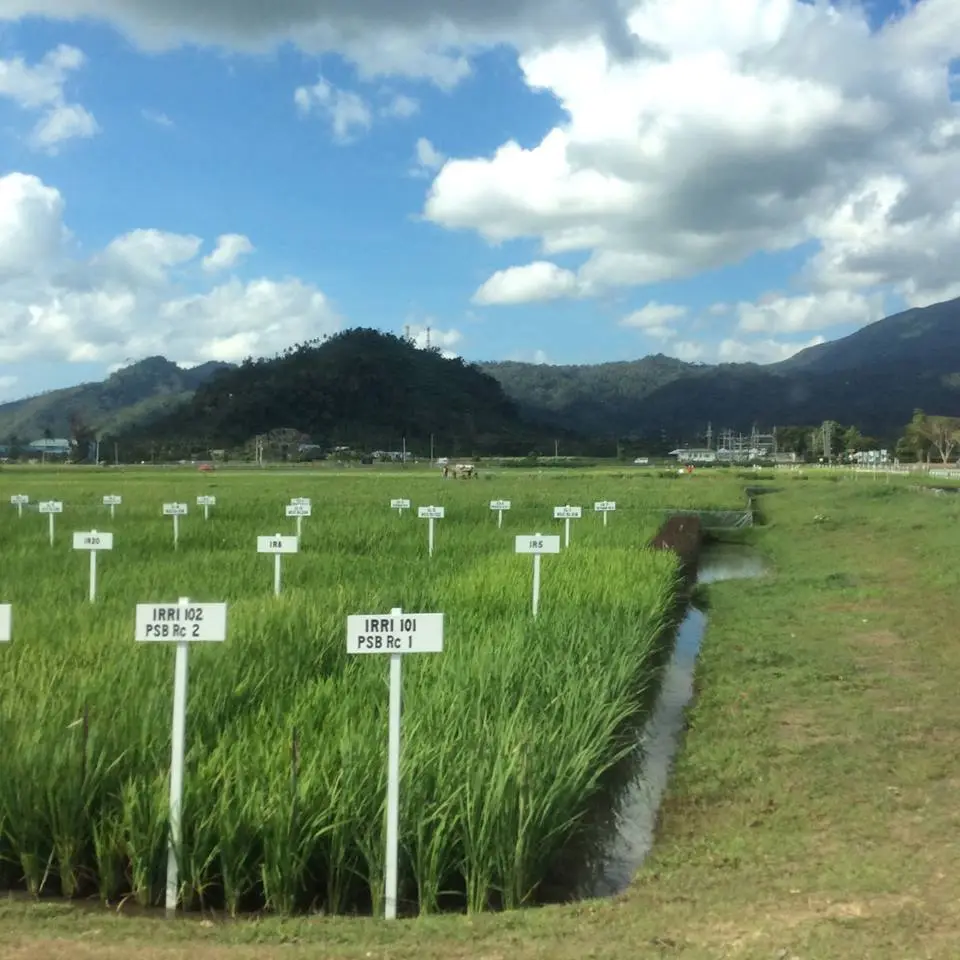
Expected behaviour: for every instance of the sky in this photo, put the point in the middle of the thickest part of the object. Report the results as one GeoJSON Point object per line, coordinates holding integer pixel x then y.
{"type": "Point", "coordinates": [552, 181]}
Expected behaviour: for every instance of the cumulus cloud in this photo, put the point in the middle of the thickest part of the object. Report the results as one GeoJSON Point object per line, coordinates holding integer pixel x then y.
{"type": "Point", "coordinates": [427, 158]}
{"type": "Point", "coordinates": [766, 124]}
{"type": "Point", "coordinates": [761, 351]}
{"type": "Point", "coordinates": [430, 39]}
{"type": "Point", "coordinates": [142, 294]}
{"type": "Point", "coordinates": [229, 249]}
{"type": "Point", "coordinates": [779, 314]}
{"type": "Point", "coordinates": [654, 319]}
{"type": "Point", "coordinates": [535, 281]}
{"type": "Point", "coordinates": [39, 88]}
{"type": "Point", "coordinates": [425, 336]}
{"type": "Point", "coordinates": [347, 112]}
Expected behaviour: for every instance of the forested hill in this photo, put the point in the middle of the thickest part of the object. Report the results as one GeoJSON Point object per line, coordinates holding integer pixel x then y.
{"type": "Point", "coordinates": [361, 388]}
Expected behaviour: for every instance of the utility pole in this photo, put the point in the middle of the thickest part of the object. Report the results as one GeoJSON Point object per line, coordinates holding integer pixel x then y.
{"type": "Point", "coordinates": [556, 449]}
{"type": "Point", "coordinates": [431, 448]}
{"type": "Point", "coordinates": [827, 440]}
{"type": "Point", "coordinates": [709, 435]}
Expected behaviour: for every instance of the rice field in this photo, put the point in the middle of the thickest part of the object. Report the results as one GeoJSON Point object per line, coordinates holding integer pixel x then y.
{"type": "Point", "coordinates": [507, 735]}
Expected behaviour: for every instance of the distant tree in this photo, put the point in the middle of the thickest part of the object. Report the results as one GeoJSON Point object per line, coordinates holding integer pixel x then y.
{"type": "Point", "coordinates": [942, 433]}
{"type": "Point", "coordinates": [915, 438]}
{"type": "Point", "coordinates": [82, 435]}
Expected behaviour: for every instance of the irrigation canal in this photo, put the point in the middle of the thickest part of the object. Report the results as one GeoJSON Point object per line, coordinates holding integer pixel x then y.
{"type": "Point", "coordinates": [634, 825]}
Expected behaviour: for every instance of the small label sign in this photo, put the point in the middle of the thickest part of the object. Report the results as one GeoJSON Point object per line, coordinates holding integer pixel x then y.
{"type": "Point", "coordinates": [499, 504]}
{"type": "Point", "coordinates": [206, 501]}
{"type": "Point", "coordinates": [399, 504]}
{"type": "Point", "coordinates": [174, 509]}
{"type": "Point", "coordinates": [403, 633]}
{"type": "Point", "coordinates": [6, 617]}
{"type": "Point", "coordinates": [50, 506]}
{"type": "Point", "coordinates": [93, 541]}
{"type": "Point", "coordinates": [605, 506]}
{"type": "Point", "coordinates": [302, 501]}
{"type": "Point", "coordinates": [112, 500]}
{"type": "Point", "coordinates": [531, 543]}
{"type": "Point", "coordinates": [430, 513]}
{"type": "Point", "coordinates": [567, 513]}
{"type": "Point", "coordinates": [19, 499]}
{"type": "Point", "coordinates": [160, 622]}
{"type": "Point", "coordinates": [298, 509]}
{"type": "Point", "coordinates": [277, 544]}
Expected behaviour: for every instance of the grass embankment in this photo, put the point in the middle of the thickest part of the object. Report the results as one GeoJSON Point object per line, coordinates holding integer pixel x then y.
{"type": "Point", "coordinates": [814, 811]}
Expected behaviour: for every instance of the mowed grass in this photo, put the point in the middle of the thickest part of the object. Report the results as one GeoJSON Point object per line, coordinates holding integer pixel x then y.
{"type": "Point", "coordinates": [507, 735]}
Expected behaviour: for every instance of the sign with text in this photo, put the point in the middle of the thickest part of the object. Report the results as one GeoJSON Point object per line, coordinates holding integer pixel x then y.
{"type": "Point", "coordinates": [395, 633]}
{"type": "Point", "coordinates": [567, 513]}
{"type": "Point", "coordinates": [277, 544]}
{"type": "Point", "coordinates": [175, 509]}
{"type": "Point", "coordinates": [50, 506]}
{"type": "Point", "coordinates": [499, 504]}
{"type": "Point", "coordinates": [605, 506]}
{"type": "Point", "coordinates": [93, 541]}
{"type": "Point", "coordinates": [298, 509]}
{"type": "Point", "coordinates": [19, 499]}
{"type": "Point", "coordinates": [206, 501]}
{"type": "Point", "coordinates": [430, 513]}
{"type": "Point", "coordinates": [532, 543]}
{"type": "Point", "coordinates": [6, 617]}
{"type": "Point", "coordinates": [400, 504]}
{"type": "Point", "coordinates": [174, 622]}
{"type": "Point", "coordinates": [112, 500]}
{"type": "Point", "coordinates": [302, 501]}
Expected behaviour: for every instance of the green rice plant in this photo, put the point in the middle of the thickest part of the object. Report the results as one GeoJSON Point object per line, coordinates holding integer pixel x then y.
{"type": "Point", "coordinates": [509, 737]}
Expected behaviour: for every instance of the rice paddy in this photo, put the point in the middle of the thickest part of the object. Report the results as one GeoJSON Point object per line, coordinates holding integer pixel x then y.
{"type": "Point", "coordinates": [507, 736]}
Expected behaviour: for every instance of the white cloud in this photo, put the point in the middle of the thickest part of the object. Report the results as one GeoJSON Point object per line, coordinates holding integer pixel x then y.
{"type": "Point", "coordinates": [767, 124]}
{"type": "Point", "coordinates": [686, 350]}
{"type": "Point", "coordinates": [157, 117]}
{"type": "Point", "coordinates": [229, 249]}
{"type": "Point", "coordinates": [401, 106]}
{"type": "Point", "coordinates": [654, 319]}
{"type": "Point", "coordinates": [761, 351]}
{"type": "Point", "coordinates": [427, 159]}
{"type": "Point", "coordinates": [424, 336]}
{"type": "Point", "coordinates": [429, 39]}
{"type": "Point", "coordinates": [348, 113]}
{"type": "Point", "coordinates": [535, 281]}
{"type": "Point", "coordinates": [123, 302]}
{"type": "Point", "coordinates": [7, 383]}
{"type": "Point", "coordinates": [39, 88]}
{"type": "Point", "coordinates": [780, 314]}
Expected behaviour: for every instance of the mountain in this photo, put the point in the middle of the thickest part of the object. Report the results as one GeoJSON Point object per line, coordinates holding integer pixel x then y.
{"type": "Point", "coordinates": [361, 388]}
{"type": "Point", "coordinates": [108, 406]}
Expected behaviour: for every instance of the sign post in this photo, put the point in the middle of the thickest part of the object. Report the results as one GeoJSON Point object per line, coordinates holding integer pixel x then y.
{"type": "Point", "coordinates": [567, 514]}
{"type": "Point", "coordinates": [278, 545]}
{"type": "Point", "coordinates": [6, 620]}
{"type": "Point", "coordinates": [400, 506]}
{"type": "Point", "coordinates": [112, 501]}
{"type": "Point", "coordinates": [537, 544]}
{"type": "Point", "coordinates": [299, 508]}
{"type": "Point", "coordinates": [20, 500]}
{"type": "Point", "coordinates": [605, 507]}
{"type": "Point", "coordinates": [182, 624]}
{"type": "Point", "coordinates": [51, 508]}
{"type": "Point", "coordinates": [206, 502]}
{"type": "Point", "coordinates": [500, 506]}
{"type": "Point", "coordinates": [430, 514]}
{"type": "Point", "coordinates": [175, 510]}
{"type": "Point", "coordinates": [396, 634]}
{"type": "Point", "coordinates": [93, 542]}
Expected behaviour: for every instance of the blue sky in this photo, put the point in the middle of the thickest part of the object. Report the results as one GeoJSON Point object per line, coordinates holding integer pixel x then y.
{"type": "Point", "coordinates": [201, 140]}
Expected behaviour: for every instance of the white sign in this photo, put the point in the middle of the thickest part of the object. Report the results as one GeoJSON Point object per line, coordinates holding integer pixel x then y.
{"type": "Point", "coordinates": [19, 499]}
{"type": "Point", "coordinates": [605, 506]}
{"type": "Point", "coordinates": [537, 543]}
{"type": "Point", "coordinates": [50, 506]}
{"type": "Point", "coordinates": [395, 633]}
{"type": "Point", "coordinates": [6, 617]}
{"type": "Point", "coordinates": [301, 501]}
{"type": "Point", "coordinates": [298, 509]}
{"type": "Point", "coordinates": [567, 513]}
{"type": "Point", "coordinates": [430, 513]}
{"type": "Point", "coordinates": [174, 509]}
{"type": "Point", "coordinates": [277, 544]}
{"type": "Point", "coordinates": [206, 501]}
{"type": "Point", "coordinates": [204, 622]}
{"type": "Point", "coordinates": [499, 504]}
{"type": "Point", "coordinates": [93, 541]}
{"type": "Point", "coordinates": [112, 500]}
{"type": "Point", "coordinates": [400, 505]}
